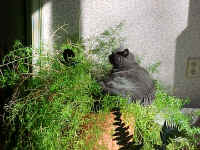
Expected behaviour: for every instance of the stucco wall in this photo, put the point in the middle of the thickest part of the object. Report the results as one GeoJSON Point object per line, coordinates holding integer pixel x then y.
{"type": "Point", "coordinates": [60, 20]}
{"type": "Point", "coordinates": [151, 28]}
{"type": "Point", "coordinates": [158, 30]}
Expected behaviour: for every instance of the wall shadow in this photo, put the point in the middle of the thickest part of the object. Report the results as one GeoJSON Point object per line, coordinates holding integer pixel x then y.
{"type": "Point", "coordinates": [13, 24]}
{"type": "Point", "coordinates": [188, 45]}
{"type": "Point", "coordinates": [122, 135]}
{"type": "Point", "coordinates": [17, 24]}
{"type": "Point", "coordinates": [16, 21]}
{"type": "Point", "coordinates": [66, 12]}
{"type": "Point", "coordinates": [54, 15]}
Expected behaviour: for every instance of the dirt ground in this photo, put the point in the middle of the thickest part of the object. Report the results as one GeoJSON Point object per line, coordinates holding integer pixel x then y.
{"type": "Point", "coordinates": [115, 133]}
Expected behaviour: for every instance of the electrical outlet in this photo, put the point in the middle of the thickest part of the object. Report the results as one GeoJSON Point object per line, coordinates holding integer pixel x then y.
{"type": "Point", "coordinates": [193, 67]}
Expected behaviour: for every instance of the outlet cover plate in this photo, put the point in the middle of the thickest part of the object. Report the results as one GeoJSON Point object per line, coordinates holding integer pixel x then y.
{"type": "Point", "coordinates": [193, 67]}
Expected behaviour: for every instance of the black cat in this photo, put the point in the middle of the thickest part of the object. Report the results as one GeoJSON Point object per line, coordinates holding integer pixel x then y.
{"type": "Point", "coordinates": [128, 79]}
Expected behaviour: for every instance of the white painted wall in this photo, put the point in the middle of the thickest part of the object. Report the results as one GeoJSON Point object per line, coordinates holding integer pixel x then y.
{"type": "Point", "coordinates": [151, 28]}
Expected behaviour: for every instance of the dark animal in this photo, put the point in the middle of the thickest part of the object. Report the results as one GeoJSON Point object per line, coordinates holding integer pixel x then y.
{"type": "Point", "coordinates": [128, 79]}
{"type": "Point", "coordinates": [169, 131]}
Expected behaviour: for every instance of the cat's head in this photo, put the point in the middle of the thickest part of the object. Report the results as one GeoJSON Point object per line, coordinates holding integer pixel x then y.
{"type": "Point", "coordinates": [121, 59]}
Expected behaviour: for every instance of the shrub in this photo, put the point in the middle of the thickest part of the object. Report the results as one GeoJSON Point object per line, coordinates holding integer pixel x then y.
{"type": "Point", "coordinates": [49, 113]}
{"type": "Point", "coordinates": [168, 107]}
{"type": "Point", "coordinates": [47, 110]}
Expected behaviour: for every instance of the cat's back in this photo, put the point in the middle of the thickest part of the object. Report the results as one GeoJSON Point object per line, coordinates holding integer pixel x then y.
{"type": "Point", "coordinates": [129, 78]}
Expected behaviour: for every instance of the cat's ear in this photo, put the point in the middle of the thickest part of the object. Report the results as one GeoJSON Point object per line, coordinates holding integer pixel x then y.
{"type": "Point", "coordinates": [125, 52]}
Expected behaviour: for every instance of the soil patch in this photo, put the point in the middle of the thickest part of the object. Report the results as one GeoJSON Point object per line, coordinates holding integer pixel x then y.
{"type": "Point", "coordinates": [108, 131]}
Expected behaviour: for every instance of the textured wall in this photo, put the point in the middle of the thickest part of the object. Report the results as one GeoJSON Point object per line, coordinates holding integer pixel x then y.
{"type": "Point", "coordinates": [151, 28]}
{"type": "Point", "coordinates": [158, 30]}
{"type": "Point", "coordinates": [60, 19]}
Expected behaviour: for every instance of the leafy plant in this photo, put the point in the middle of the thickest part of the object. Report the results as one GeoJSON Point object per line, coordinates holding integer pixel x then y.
{"type": "Point", "coordinates": [50, 114]}
{"type": "Point", "coordinates": [153, 68]}
{"type": "Point", "coordinates": [168, 108]}
{"type": "Point", "coordinates": [51, 108]}
{"type": "Point", "coordinates": [102, 45]}
{"type": "Point", "coordinates": [16, 65]}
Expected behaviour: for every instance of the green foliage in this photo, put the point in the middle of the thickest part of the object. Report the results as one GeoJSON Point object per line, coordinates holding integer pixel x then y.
{"type": "Point", "coordinates": [50, 110]}
{"type": "Point", "coordinates": [169, 108]}
{"type": "Point", "coordinates": [139, 59]}
{"type": "Point", "coordinates": [50, 115]}
{"type": "Point", "coordinates": [15, 65]}
{"type": "Point", "coordinates": [153, 68]}
{"type": "Point", "coordinates": [101, 46]}
{"type": "Point", "coordinates": [108, 41]}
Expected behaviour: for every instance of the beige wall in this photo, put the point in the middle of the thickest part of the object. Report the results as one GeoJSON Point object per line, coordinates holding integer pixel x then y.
{"type": "Point", "coordinates": [151, 27]}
